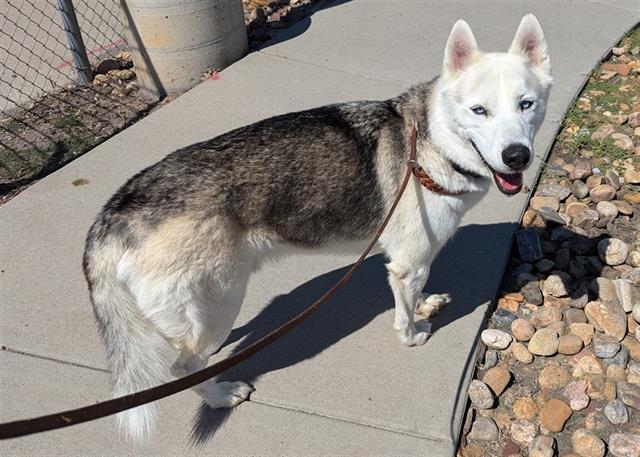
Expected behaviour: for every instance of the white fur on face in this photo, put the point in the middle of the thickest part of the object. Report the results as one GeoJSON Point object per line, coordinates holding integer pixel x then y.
{"type": "Point", "coordinates": [498, 82]}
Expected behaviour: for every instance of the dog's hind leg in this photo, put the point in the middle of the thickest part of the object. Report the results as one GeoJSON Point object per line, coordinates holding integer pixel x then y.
{"type": "Point", "coordinates": [214, 313]}
{"type": "Point", "coordinates": [215, 394]}
{"type": "Point", "coordinates": [430, 304]}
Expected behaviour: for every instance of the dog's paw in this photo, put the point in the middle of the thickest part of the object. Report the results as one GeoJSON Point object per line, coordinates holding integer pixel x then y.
{"type": "Point", "coordinates": [413, 337]}
{"type": "Point", "coordinates": [227, 394]}
{"type": "Point", "coordinates": [428, 305]}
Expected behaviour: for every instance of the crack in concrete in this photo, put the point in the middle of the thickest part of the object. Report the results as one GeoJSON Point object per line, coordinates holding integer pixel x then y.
{"type": "Point", "coordinates": [52, 359]}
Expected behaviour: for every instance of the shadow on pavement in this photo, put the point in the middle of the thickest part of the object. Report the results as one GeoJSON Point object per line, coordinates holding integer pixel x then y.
{"type": "Point", "coordinates": [366, 295]}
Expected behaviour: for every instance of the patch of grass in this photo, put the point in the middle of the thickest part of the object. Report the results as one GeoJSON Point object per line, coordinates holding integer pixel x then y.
{"type": "Point", "coordinates": [66, 122]}
{"type": "Point", "coordinates": [632, 38]}
{"type": "Point", "coordinates": [13, 126]}
{"type": "Point", "coordinates": [604, 148]}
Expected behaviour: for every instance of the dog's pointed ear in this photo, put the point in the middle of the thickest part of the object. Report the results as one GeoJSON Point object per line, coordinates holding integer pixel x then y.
{"type": "Point", "coordinates": [460, 50]}
{"type": "Point", "coordinates": [530, 43]}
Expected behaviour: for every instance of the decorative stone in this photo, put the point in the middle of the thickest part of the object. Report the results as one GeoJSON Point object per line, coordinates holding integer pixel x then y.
{"type": "Point", "coordinates": [551, 216]}
{"type": "Point", "coordinates": [532, 293]}
{"type": "Point", "coordinates": [490, 359]}
{"type": "Point", "coordinates": [523, 431]}
{"type": "Point", "coordinates": [576, 394]}
{"type": "Point", "coordinates": [529, 247]}
{"type": "Point", "coordinates": [622, 141]}
{"type": "Point", "coordinates": [586, 219]}
{"type": "Point", "coordinates": [605, 346]}
{"type": "Point", "coordinates": [603, 192]}
{"type": "Point", "coordinates": [633, 345]}
{"type": "Point", "coordinates": [542, 446]}
{"type": "Point", "coordinates": [553, 190]}
{"type": "Point", "coordinates": [525, 408]}
{"type": "Point", "coordinates": [522, 330]}
{"type": "Point", "coordinates": [595, 420]}
{"type": "Point", "coordinates": [607, 210]}
{"type": "Point", "coordinates": [557, 284]}
{"type": "Point", "coordinates": [497, 379]}
{"type": "Point", "coordinates": [521, 353]}
{"type": "Point", "coordinates": [553, 377]}
{"type": "Point", "coordinates": [629, 394]}
{"type": "Point", "coordinates": [613, 251]}
{"type": "Point", "coordinates": [636, 312]}
{"type": "Point", "coordinates": [624, 445]}
{"type": "Point", "coordinates": [612, 178]}
{"type": "Point", "coordinates": [620, 359]}
{"type": "Point", "coordinates": [632, 176]}
{"type": "Point", "coordinates": [483, 429]}
{"type": "Point", "coordinates": [544, 342]}
{"type": "Point", "coordinates": [496, 339]}
{"type": "Point", "coordinates": [616, 412]}
{"type": "Point", "coordinates": [544, 202]}
{"type": "Point", "coordinates": [586, 366]}
{"type": "Point", "coordinates": [572, 316]}
{"type": "Point", "coordinates": [584, 331]}
{"type": "Point", "coordinates": [603, 288]}
{"type": "Point", "coordinates": [554, 415]}
{"type": "Point", "coordinates": [616, 373]}
{"type": "Point", "coordinates": [608, 317]}
{"type": "Point", "coordinates": [581, 169]}
{"type": "Point", "coordinates": [569, 344]}
{"type": "Point", "coordinates": [543, 317]}
{"type": "Point", "coordinates": [579, 189]}
{"type": "Point", "coordinates": [625, 294]}
{"type": "Point", "coordinates": [586, 444]}
{"type": "Point", "coordinates": [480, 395]}
{"type": "Point", "coordinates": [633, 276]}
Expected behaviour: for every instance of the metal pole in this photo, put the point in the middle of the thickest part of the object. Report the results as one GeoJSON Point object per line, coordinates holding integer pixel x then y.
{"type": "Point", "coordinates": [74, 38]}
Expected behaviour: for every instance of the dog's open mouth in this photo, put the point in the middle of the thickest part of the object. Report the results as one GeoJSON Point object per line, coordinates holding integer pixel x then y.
{"type": "Point", "coordinates": [507, 183]}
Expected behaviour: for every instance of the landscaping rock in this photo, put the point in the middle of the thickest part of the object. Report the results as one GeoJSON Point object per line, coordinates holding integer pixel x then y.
{"type": "Point", "coordinates": [525, 408]}
{"type": "Point", "coordinates": [480, 395]}
{"type": "Point", "coordinates": [613, 251]}
{"type": "Point", "coordinates": [629, 394]}
{"type": "Point", "coordinates": [542, 446]}
{"type": "Point", "coordinates": [575, 394]}
{"type": "Point", "coordinates": [557, 284]}
{"type": "Point", "coordinates": [624, 444]}
{"type": "Point", "coordinates": [586, 444]}
{"type": "Point", "coordinates": [605, 346]}
{"type": "Point", "coordinates": [569, 344]}
{"type": "Point", "coordinates": [587, 366]}
{"type": "Point", "coordinates": [483, 429]}
{"type": "Point", "coordinates": [608, 317]}
{"type": "Point", "coordinates": [616, 412]}
{"type": "Point", "coordinates": [603, 192]}
{"type": "Point", "coordinates": [523, 431]}
{"type": "Point", "coordinates": [626, 294]}
{"type": "Point", "coordinates": [544, 342]}
{"type": "Point", "coordinates": [532, 293]}
{"type": "Point", "coordinates": [521, 353]}
{"type": "Point", "coordinates": [497, 379]}
{"type": "Point", "coordinates": [554, 415]}
{"type": "Point", "coordinates": [522, 330]}
{"type": "Point", "coordinates": [584, 331]}
{"type": "Point", "coordinates": [496, 339]}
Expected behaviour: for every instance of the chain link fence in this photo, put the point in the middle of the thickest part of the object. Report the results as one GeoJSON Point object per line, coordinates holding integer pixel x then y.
{"type": "Point", "coordinates": [46, 117]}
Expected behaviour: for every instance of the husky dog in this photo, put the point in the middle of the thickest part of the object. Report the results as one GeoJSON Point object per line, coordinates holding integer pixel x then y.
{"type": "Point", "coordinates": [168, 258]}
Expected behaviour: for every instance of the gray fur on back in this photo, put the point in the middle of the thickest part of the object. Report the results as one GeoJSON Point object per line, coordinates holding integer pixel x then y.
{"type": "Point", "coordinates": [308, 176]}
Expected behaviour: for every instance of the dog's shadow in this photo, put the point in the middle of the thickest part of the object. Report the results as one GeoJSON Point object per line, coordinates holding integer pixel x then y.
{"type": "Point", "coordinates": [457, 271]}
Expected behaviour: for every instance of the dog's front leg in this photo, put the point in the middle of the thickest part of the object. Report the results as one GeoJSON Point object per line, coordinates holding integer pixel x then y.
{"type": "Point", "coordinates": [407, 285]}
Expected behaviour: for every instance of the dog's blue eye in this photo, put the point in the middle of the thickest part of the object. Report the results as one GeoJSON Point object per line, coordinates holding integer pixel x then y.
{"type": "Point", "coordinates": [525, 104]}
{"type": "Point", "coordinates": [479, 110]}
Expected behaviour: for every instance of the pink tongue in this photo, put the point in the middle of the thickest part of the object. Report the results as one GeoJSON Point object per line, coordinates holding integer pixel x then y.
{"type": "Point", "coordinates": [509, 182]}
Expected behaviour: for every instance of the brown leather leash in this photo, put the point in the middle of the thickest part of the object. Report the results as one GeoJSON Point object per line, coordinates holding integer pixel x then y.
{"type": "Point", "coordinates": [96, 411]}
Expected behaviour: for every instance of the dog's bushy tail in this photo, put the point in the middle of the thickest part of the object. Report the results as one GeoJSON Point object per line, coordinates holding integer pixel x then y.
{"type": "Point", "coordinates": [137, 355]}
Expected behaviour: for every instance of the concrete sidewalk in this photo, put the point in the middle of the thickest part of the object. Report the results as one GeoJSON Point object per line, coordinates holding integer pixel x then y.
{"type": "Point", "coordinates": [335, 385]}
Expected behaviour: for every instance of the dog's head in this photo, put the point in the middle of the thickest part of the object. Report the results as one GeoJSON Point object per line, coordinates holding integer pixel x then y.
{"type": "Point", "coordinates": [495, 102]}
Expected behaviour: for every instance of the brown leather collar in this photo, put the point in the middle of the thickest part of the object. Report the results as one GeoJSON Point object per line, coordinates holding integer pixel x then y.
{"type": "Point", "coordinates": [424, 178]}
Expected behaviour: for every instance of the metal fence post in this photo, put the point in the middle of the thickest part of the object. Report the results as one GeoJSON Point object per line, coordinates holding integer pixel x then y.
{"type": "Point", "coordinates": [74, 37]}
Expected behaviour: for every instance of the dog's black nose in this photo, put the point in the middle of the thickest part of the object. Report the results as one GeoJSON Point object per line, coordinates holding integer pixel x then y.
{"type": "Point", "coordinates": [516, 156]}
